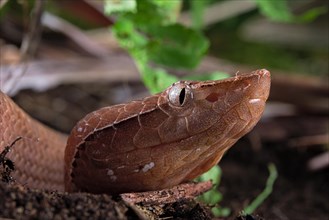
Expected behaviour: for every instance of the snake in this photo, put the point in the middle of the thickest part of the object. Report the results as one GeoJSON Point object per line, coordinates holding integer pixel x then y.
{"type": "Point", "coordinates": [149, 144]}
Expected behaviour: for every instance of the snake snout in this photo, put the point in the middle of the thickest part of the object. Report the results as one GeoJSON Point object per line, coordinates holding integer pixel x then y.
{"type": "Point", "coordinates": [260, 92]}
{"type": "Point", "coordinates": [260, 86]}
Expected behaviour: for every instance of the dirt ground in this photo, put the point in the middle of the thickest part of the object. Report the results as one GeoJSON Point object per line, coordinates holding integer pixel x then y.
{"type": "Point", "coordinates": [297, 194]}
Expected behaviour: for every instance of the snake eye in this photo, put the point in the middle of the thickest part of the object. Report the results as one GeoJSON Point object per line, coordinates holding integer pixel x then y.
{"type": "Point", "coordinates": [179, 94]}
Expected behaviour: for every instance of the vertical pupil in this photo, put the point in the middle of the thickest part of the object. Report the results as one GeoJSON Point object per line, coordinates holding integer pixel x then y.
{"type": "Point", "coordinates": [182, 96]}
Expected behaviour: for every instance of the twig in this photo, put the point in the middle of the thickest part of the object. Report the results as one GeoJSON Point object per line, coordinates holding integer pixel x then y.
{"type": "Point", "coordinates": [319, 162]}
{"type": "Point", "coordinates": [31, 39]}
{"type": "Point", "coordinates": [2, 3]}
{"type": "Point", "coordinates": [29, 44]}
{"type": "Point", "coordinates": [307, 141]}
{"type": "Point", "coordinates": [80, 38]}
{"type": "Point", "coordinates": [220, 11]}
{"type": "Point", "coordinates": [174, 194]}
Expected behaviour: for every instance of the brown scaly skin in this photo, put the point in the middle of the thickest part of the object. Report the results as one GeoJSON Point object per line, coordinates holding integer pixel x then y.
{"type": "Point", "coordinates": [151, 144]}
{"type": "Point", "coordinates": [164, 139]}
{"type": "Point", "coordinates": [38, 156]}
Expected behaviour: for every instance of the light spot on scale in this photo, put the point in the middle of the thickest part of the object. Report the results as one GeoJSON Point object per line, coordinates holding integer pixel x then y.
{"type": "Point", "coordinates": [253, 101]}
{"type": "Point", "coordinates": [110, 172]}
{"type": "Point", "coordinates": [147, 167]}
{"type": "Point", "coordinates": [79, 129]}
{"type": "Point", "coordinates": [113, 178]}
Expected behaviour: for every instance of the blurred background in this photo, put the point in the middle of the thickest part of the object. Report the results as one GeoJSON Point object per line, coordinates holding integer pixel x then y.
{"type": "Point", "coordinates": [60, 60]}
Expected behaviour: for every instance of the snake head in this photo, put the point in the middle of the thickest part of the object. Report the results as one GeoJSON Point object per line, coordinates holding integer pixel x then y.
{"type": "Point", "coordinates": [196, 107]}
{"type": "Point", "coordinates": [210, 116]}
{"type": "Point", "coordinates": [164, 139]}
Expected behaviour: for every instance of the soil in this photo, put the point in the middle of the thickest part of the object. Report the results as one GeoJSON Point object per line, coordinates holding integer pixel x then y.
{"type": "Point", "coordinates": [297, 193]}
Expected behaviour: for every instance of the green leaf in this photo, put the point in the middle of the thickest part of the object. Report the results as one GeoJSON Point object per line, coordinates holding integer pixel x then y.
{"type": "Point", "coordinates": [213, 196]}
{"type": "Point", "coordinates": [275, 10]}
{"type": "Point", "coordinates": [279, 11]}
{"type": "Point", "coordinates": [214, 174]}
{"type": "Point", "coordinates": [175, 45]}
{"type": "Point", "coordinates": [128, 38]}
{"type": "Point", "coordinates": [154, 12]}
{"type": "Point", "coordinates": [157, 79]}
{"type": "Point", "coordinates": [111, 6]}
{"type": "Point", "coordinates": [169, 9]}
{"type": "Point", "coordinates": [218, 211]}
{"type": "Point", "coordinates": [197, 11]}
{"type": "Point", "coordinates": [312, 14]}
{"type": "Point", "coordinates": [150, 38]}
